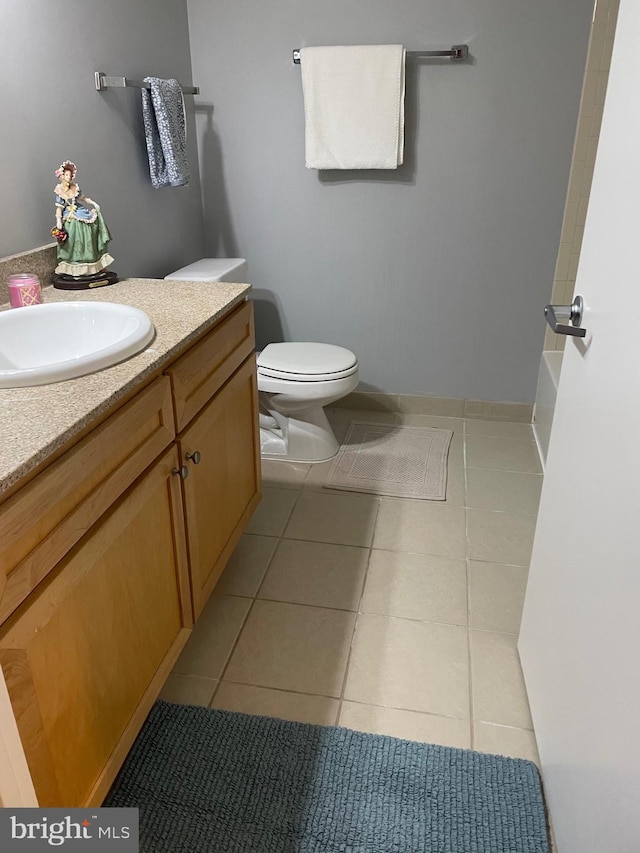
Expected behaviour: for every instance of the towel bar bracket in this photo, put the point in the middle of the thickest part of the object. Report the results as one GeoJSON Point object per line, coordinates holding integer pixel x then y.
{"type": "Point", "coordinates": [458, 53]}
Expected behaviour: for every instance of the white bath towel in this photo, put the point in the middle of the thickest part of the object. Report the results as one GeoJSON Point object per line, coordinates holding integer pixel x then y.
{"type": "Point", "coordinates": [165, 132]}
{"type": "Point", "coordinates": [353, 106]}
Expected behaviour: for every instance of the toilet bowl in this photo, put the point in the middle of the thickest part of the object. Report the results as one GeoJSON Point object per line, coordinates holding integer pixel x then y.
{"type": "Point", "coordinates": [296, 381]}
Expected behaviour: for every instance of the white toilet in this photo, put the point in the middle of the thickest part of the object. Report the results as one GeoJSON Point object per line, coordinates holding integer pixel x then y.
{"type": "Point", "coordinates": [295, 380]}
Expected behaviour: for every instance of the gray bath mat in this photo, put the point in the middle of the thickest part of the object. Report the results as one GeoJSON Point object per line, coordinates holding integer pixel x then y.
{"type": "Point", "coordinates": [398, 461]}
{"type": "Point", "coordinates": [220, 782]}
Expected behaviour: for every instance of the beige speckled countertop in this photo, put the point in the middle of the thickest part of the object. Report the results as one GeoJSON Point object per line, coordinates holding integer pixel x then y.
{"type": "Point", "coordinates": [36, 422]}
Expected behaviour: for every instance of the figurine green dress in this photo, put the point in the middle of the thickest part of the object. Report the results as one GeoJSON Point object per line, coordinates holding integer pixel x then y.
{"type": "Point", "coordinates": [84, 251]}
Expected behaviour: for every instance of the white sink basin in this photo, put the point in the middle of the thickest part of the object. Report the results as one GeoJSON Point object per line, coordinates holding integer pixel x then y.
{"type": "Point", "coordinates": [62, 340]}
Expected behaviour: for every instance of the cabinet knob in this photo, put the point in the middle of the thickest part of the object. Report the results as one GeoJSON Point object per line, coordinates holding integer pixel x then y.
{"type": "Point", "coordinates": [195, 457]}
{"type": "Point", "coordinates": [182, 472]}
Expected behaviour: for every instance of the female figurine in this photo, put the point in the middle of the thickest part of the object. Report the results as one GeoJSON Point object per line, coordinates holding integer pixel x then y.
{"type": "Point", "coordinates": [82, 234]}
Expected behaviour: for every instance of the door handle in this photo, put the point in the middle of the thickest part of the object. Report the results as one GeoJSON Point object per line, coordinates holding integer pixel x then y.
{"type": "Point", "coordinates": [572, 312]}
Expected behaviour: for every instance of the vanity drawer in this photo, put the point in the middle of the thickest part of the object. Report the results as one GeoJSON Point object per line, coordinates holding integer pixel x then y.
{"type": "Point", "coordinates": [206, 367]}
{"type": "Point", "coordinates": [42, 521]}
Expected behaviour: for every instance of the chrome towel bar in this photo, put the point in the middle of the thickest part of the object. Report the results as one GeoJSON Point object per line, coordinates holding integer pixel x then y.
{"type": "Point", "coordinates": [104, 82]}
{"type": "Point", "coordinates": [458, 53]}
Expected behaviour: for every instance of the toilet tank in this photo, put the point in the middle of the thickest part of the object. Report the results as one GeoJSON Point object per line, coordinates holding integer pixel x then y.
{"type": "Point", "coordinates": [213, 269]}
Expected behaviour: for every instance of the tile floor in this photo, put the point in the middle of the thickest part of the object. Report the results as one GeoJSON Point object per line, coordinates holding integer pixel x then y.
{"type": "Point", "coordinates": [383, 614]}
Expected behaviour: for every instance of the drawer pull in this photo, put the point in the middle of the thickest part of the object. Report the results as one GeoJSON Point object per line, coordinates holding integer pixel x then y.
{"type": "Point", "coordinates": [195, 457]}
{"type": "Point", "coordinates": [182, 472]}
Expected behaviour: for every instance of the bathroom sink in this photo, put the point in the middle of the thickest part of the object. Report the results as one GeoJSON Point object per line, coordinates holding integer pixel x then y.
{"type": "Point", "coordinates": [62, 340]}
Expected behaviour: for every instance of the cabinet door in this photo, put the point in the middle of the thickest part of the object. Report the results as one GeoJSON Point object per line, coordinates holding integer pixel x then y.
{"type": "Point", "coordinates": [86, 655]}
{"type": "Point", "coordinates": [222, 489]}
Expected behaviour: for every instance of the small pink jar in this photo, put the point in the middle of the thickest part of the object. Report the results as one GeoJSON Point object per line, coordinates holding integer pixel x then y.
{"type": "Point", "coordinates": [24, 289]}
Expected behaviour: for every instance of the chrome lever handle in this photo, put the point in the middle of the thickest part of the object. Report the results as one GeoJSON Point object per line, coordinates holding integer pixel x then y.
{"type": "Point", "coordinates": [572, 312]}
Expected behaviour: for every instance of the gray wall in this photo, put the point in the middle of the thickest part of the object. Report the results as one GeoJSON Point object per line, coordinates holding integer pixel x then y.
{"type": "Point", "coordinates": [435, 274]}
{"type": "Point", "coordinates": [50, 111]}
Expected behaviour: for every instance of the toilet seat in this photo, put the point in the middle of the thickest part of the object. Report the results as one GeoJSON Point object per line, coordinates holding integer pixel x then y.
{"type": "Point", "coordinates": [306, 362]}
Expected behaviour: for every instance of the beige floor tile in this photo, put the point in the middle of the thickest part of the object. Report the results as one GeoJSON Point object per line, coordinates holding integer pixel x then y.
{"type": "Point", "coordinates": [272, 514]}
{"type": "Point", "coordinates": [499, 693]}
{"type": "Point", "coordinates": [456, 452]}
{"type": "Point", "coordinates": [456, 493]}
{"type": "Point", "coordinates": [284, 474]}
{"type": "Point", "coordinates": [496, 596]}
{"type": "Point", "coordinates": [247, 566]}
{"type": "Point", "coordinates": [293, 647]}
{"type": "Point", "coordinates": [188, 689]}
{"type": "Point", "coordinates": [416, 586]}
{"type": "Point", "coordinates": [503, 740]}
{"type": "Point", "coordinates": [506, 429]}
{"type": "Point", "coordinates": [316, 573]}
{"type": "Point", "coordinates": [506, 491]}
{"type": "Point", "coordinates": [213, 637]}
{"type": "Point", "coordinates": [488, 411]}
{"type": "Point", "coordinates": [416, 666]}
{"type": "Point", "coordinates": [505, 454]}
{"type": "Point", "coordinates": [422, 527]}
{"type": "Point", "coordinates": [408, 672]}
{"type": "Point", "coordinates": [317, 476]}
{"type": "Point", "coordinates": [409, 725]}
{"type": "Point", "coordinates": [300, 707]}
{"type": "Point", "coordinates": [337, 518]}
{"type": "Point", "coordinates": [499, 537]}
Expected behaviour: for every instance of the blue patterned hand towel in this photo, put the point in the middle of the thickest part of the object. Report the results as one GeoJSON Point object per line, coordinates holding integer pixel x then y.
{"type": "Point", "coordinates": [165, 132]}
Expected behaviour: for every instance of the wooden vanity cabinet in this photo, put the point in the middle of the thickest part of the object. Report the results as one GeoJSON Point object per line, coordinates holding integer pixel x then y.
{"type": "Point", "coordinates": [86, 656]}
{"type": "Point", "coordinates": [98, 587]}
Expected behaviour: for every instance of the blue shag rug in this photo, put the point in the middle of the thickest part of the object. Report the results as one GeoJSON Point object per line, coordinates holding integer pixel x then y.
{"type": "Point", "coordinates": [220, 782]}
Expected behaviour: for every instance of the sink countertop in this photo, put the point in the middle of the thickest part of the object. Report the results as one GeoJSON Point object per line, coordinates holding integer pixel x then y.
{"type": "Point", "coordinates": [37, 421]}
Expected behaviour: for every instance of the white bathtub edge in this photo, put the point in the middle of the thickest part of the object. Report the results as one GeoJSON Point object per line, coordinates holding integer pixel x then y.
{"type": "Point", "coordinates": [547, 390]}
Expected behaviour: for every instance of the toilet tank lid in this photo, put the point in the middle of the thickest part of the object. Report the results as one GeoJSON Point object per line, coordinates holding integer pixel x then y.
{"type": "Point", "coordinates": [207, 269]}
{"type": "Point", "coordinates": [306, 358]}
